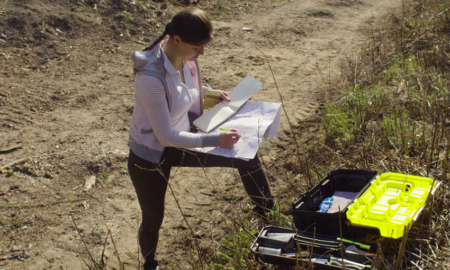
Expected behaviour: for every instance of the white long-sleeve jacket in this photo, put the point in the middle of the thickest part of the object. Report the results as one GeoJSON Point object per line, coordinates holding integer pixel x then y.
{"type": "Point", "coordinates": [160, 117]}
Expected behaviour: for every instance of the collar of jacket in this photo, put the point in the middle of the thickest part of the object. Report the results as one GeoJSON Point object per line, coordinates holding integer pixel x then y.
{"type": "Point", "coordinates": [151, 63]}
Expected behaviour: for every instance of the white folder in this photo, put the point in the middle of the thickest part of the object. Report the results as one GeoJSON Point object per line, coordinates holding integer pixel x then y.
{"type": "Point", "coordinates": [224, 110]}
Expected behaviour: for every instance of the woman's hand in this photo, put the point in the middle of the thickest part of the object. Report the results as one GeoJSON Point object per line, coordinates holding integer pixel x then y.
{"type": "Point", "coordinates": [223, 97]}
{"type": "Point", "coordinates": [229, 138]}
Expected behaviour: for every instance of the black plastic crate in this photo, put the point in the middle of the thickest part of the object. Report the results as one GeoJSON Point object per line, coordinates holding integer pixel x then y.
{"type": "Point", "coordinates": [304, 211]}
{"type": "Point", "coordinates": [275, 249]}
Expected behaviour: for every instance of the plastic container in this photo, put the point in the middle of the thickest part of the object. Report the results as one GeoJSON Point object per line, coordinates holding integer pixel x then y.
{"type": "Point", "coordinates": [281, 246]}
{"type": "Point", "coordinates": [304, 211]}
{"type": "Point", "coordinates": [392, 202]}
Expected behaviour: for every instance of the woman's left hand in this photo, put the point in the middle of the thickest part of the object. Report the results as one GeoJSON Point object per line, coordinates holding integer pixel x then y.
{"type": "Point", "coordinates": [223, 97]}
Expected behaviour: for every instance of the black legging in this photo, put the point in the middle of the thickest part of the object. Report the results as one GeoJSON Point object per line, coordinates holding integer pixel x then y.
{"type": "Point", "coordinates": [151, 187]}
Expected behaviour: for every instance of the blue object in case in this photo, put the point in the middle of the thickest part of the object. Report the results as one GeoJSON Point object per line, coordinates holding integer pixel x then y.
{"type": "Point", "coordinates": [325, 205]}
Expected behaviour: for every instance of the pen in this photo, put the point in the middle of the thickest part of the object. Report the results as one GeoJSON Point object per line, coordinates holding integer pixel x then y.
{"type": "Point", "coordinates": [224, 129]}
{"type": "Point", "coordinates": [355, 243]}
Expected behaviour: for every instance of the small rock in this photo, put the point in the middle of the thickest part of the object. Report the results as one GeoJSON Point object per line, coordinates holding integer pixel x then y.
{"type": "Point", "coordinates": [99, 20]}
{"type": "Point", "coordinates": [4, 189]}
{"type": "Point", "coordinates": [267, 160]}
{"type": "Point", "coordinates": [31, 172]}
{"type": "Point", "coordinates": [287, 130]}
{"type": "Point", "coordinates": [48, 175]}
{"type": "Point", "coordinates": [100, 182]}
{"type": "Point", "coordinates": [25, 255]}
{"type": "Point", "coordinates": [89, 182]}
{"type": "Point", "coordinates": [26, 70]}
{"type": "Point", "coordinates": [85, 205]}
{"type": "Point", "coordinates": [17, 248]}
{"type": "Point", "coordinates": [109, 179]}
{"type": "Point", "coordinates": [240, 74]}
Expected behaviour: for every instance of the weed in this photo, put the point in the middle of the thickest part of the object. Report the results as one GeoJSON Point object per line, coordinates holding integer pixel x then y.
{"type": "Point", "coordinates": [120, 16]}
{"type": "Point", "coordinates": [17, 223]}
{"type": "Point", "coordinates": [76, 205]}
{"type": "Point", "coordinates": [124, 16]}
{"type": "Point", "coordinates": [337, 126]}
{"type": "Point", "coordinates": [276, 217]}
{"type": "Point", "coordinates": [1, 220]}
{"type": "Point", "coordinates": [9, 205]}
{"type": "Point", "coordinates": [102, 175]}
{"type": "Point", "coordinates": [237, 249]}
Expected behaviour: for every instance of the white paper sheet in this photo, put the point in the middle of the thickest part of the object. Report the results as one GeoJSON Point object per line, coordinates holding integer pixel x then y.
{"type": "Point", "coordinates": [254, 121]}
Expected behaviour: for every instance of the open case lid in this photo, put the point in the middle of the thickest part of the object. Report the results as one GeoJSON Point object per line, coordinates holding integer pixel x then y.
{"type": "Point", "coordinates": [391, 202]}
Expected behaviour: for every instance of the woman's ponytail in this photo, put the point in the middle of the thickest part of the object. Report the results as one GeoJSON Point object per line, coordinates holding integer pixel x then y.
{"type": "Point", "coordinates": [158, 40]}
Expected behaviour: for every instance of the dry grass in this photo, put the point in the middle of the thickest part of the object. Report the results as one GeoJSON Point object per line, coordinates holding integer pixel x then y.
{"type": "Point", "coordinates": [394, 117]}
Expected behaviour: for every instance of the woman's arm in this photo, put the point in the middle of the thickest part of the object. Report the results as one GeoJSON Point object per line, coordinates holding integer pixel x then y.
{"type": "Point", "coordinates": [152, 95]}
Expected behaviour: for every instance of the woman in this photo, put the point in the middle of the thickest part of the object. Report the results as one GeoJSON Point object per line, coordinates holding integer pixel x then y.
{"type": "Point", "coordinates": [169, 96]}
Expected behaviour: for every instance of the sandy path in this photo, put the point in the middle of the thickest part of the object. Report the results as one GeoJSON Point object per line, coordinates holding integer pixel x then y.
{"type": "Point", "coordinates": [305, 42]}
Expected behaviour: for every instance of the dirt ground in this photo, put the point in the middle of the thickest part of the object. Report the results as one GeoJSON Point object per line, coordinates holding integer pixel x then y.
{"type": "Point", "coordinates": [66, 98]}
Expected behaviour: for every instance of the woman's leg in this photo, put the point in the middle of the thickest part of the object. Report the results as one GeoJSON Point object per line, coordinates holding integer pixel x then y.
{"type": "Point", "coordinates": [256, 184]}
{"type": "Point", "coordinates": [150, 188]}
{"type": "Point", "coordinates": [251, 173]}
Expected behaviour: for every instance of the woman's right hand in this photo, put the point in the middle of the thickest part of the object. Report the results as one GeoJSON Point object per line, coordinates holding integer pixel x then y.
{"type": "Point", "coordinates": [229, 138]}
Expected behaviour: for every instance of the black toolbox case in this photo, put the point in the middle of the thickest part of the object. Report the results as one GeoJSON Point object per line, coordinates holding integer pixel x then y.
{"type": "Point", "coordinates": [304, 211]}
{"type": "Point", "coordinates": [286, 242]}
